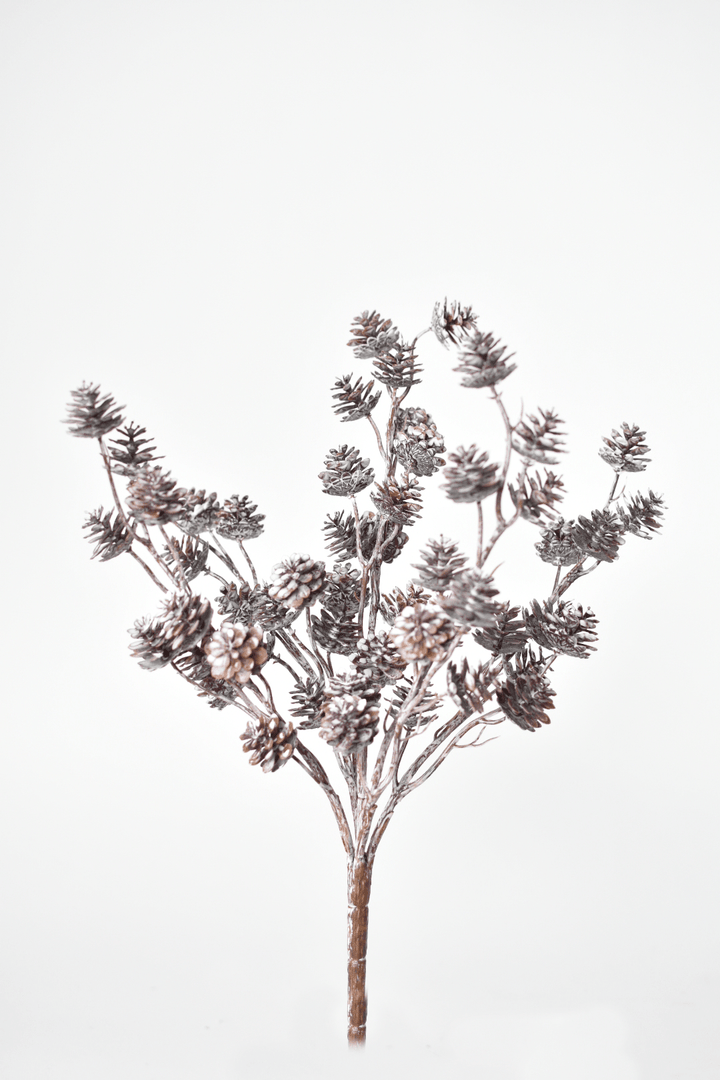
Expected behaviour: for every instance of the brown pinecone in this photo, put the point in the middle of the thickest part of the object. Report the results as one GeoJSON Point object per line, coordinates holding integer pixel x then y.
{"type": "Point", "coordinates": [354, 401]}
{"type": "Point", "coordinates": [470, 477]}
{"type": "Point", "coordinates": [236, 651]}
{"type": "Point", "coordinates": [642, 515]}
{"type": "Point", "coordinates": [235, 602]}
{"type": "Point", "coordinates": [349, 722]}
{"type": "Point", "coordinates": [507, 636]}
{"type": "Point", "coordinates": [470, 689]}
{"type": "Point", "coordinates": [200, 512]}
{"type": "Point", "coordinates": [195, 666]}
{"type": "Point", "coordinates": [397, 500]}
{"type": "Point", "coordinates": [130, 452]}
{"type": "Point", "coordinates": [396, 601]}
{"type": "Point", "coordinates": [626, 450]}
{"type": "Point", "coordinates": [346, 473]}
{"type": "Point", "coordinates": [483, 361]}
{"type": "Point", "coordinates": [89, 415]}
{"type": "Point", "coordinates": [568, 629]}
{"type": "Point", "coordinates": [450, 323]}
{"type": "Point", "coordinates": [418, 443]}
{"type": "Point", "coordinates": [238, 521]}
{"type": "Point", "coordinates": [153, 496]}
{"type": "Point", "coordinates": [470, 600]}
{"type": "Point", "coordinates": [372, 335]}
{"type": "Point", "coordinates": [558, 546]}
{"type": "Point", "coordinates": [377, 660]}
{"type": "Point", "coordinates": [272, 741]}
{"type": "Point", "coordinates": [441, 562]}
{"type": "Point", "coordinates": [183, 621]}
{"type": "Point", "coordinates": [108, 533]}
{"type": "Point", "coordinates": [539, 440]}
{"type": "Point", "coordinates": [297, 582]}
{"type": "Point", "coordinates": [422, 633]}
{"type": "Point", "coordinates": [539, 498]}
{"type": "Point", "coordinates": [336, 633]}
{"type": "Point", "coordinates": [526, 692]}
{"type": "Point", "coordinates": [308, 700]}
{"type": "Point", "coordinates": [191, 554]}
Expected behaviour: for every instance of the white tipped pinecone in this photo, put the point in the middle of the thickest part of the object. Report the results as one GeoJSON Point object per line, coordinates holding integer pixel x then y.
{"type": "Point", "coordinates": [567, 629]}
{"type": "Point", "coordinates": [238, 521]}
{"type": "Point", "coordinates": [236, 652]}
{"type": "Point", "coordinates": [200, 514]}
{"type": "Point", "coordinates": [470, 689]}
{"type": "Point", "coordinates": [470, 477]}
{"type": "Point", "coordinates": [349, 722]}
{"type": "Point", "coordinates": [422, 633]}
{"type": "Point", "coordinates": [377, 660]}
{"type": "Point", "coordinates": [297, 582]}
{"type": "Point", "coordinates": [470, 600]}
{"type": "Point", "coordinates": [558, 546]}
{"type": "Point", "coordinates": [183, 622]}
{"type": "Point", "coordinates": [153, 496]}
{"type": "Point", "coordinates": [90, 415]}
{"type": "Point", "coordinates": [451, 322]}
{"type": "Point", "coordinates": [272, 742]}
{"type": "Point", "coordinates": [626, 450]}
{"type": "Point", "coordinates": [418, 443]}
{"type": "Point", "coordinates": [539, 440]}
{"type": "Point", "coordinates": [346, 473]}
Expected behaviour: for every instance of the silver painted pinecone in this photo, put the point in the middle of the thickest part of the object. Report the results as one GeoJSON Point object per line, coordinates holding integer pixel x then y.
{"type": "Point", "coordinates": [349, 722]}
{"type": "Point", "coordinates": [470, 689]}
{"type": "Point", "coordinates": [90, 415]}
{"type": "Point", "coordinates": [482, 360]}
{"type": "Point", "coordinates": [469, 476]}
{"type": "Point", "coordinates": [600, 535]}
{"type": "Point", "coordinates": [558, 546]}
{"type": "Point", "coordinates": [441, 563]}
{"type": "Point", "coordinates": [568, 629]}
{"type": "Point", "coordinates": [418, 443]}
{"type": "Point", "coordinates": [345, 472]}
{"type": "Point", "coordinates": [422, 633]}
{"type": "Point", "coordinates": [526, 693]}
{"type": "Point", "coordinates": [377, 660]}
{"type": "Point", "coordinates": [184, 621]}
{"type": "Point", "coordinates": [201, 512]}
{"type": "Point", "coordinates": [470, 600]}
{"type": "Point", "coordinates": [153, 496]}
{"type": "Point", "coordinates": [539, 440]}
{"type": "Point", "coordinates": [236, 652]}
{"type": "Point", "coordinates": [372, 335]}
{"type": "Point", "coordinates": [450, 322]}
{"type": "Point", "coordinates": [297, 582]}
{"type": "Point", "coordinates": [271, 741]}
{"type": "Point", "coordinates": [237, 519]}
{"type": "Point", "coordinates": [626, 450]}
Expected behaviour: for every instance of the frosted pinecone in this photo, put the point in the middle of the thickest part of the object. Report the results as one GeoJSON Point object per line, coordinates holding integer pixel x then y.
{"type": "Point", "coordinates": [539, 440]}
{"type": "Point", "coordinates": [297, 581]}
{"type": "Point", "coordinates": [184, 621]}
{"type": "Point", "coordinates": [441, 563]}
{"type": "Point", "coordinates": [507, 636]}
{"type": "Point", "coordinates": [154, 497]}
{"type": "Point", "coordinates": [308, 700]}
{"type": "Point", "coordinates": [194, 665]}
{"type": "Point", "coordinates": [398, 367]}
{"type": "Point", "coordinates": [538, 496]}
{"type": "Point", "coordinates": [272, 742]}
{"type": "Point", "coordinates": [470, 600]}
{"type": "Point", "coordinates": [418, 443]}
{"type": "Point", "coordinates": [200, 512]}
{"type": "Point", "coordinates": [268, 612]}
{"type": "Point", "coordinates": [349, 722]}
{"type": "Point", "coordinates": [398, 500]}
{"type": "Point", "coordinates": [108, 533]}
{"type": "Point", "coordinates": [422, 633]}
{"type": "Point", "coordinates": [483, 361]}
{"type": "Point", "coordinates": [558, 546]}
{"type": "Point", "coordinates": [354, 401]}
{"type": "Point", "coordinates": [469, 476]}
{"type": "Point", "coordinates": [234, 602]}
{"type": "Point", "coordinates": [469, 689]}
{"type": "Point", "coordinates": [626, 450]}
{"type": "Point", "coordinates": [599, 536]}
{"type": "Point", "coordinates": [377, 660]}
{"type": "Point", "coordinates": [372, 335]}
{"type": "Point", "coordinates": [346, 473]}
{"type": "Point", "coordinates": [340, 531]}
{"type": "Point", "coordinates": [337, 634]}
{"type": "Point", "coordinates": [526, 693]}
{"type": "Point", "coordinates": [642, 515]}
{"type": "Point", "coordinates": [567, 629]}
{"type": "Point", "coordinates": [190, 554]}
{"type": "Point", "coordinates": [89, 415]}
{"type": "Point", "coordinates": [236, 651]}
{"type": "Point", "coordinates": [451, 322]}
{"type": "Point", "coordinates": [130, 452]}
{"type": "Point", "coordinates": [393, 603]}
{"type": "Point", "coordinates": [238, 521]}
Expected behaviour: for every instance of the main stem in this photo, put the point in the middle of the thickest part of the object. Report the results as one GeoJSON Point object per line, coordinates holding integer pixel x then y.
{"type": "Point", "coordinates": [359, 877]}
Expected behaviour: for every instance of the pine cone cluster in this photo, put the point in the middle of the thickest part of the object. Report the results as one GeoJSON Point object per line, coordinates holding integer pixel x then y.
{"type": "Point", "coordinates": [108, 533]}
{"type": "Point", "coordinates": [130, 452]}
{"type": "Point", "coordinates": [642, 515]}
{"type": "Point", "coordinates": [441, 563]}
{"type": "Point", "coordinates": [346, 473]}
{"type": "Point", "coordinates": [538, 439]}
{"type": "Point", "coordinates": [422, 633]}
{"type": "Point", "coordinates": [418, 443]}
{"type": "Point", "coordinates": [349, 722]}
{"type": "Point", "coordinates": [200, 512]}
{"type": "Point", "coordinates": [377, 660]}
{"type": "Point", "coordinates": [469, 477]}
{"type": "Point", "coordinates": [238, 521]}
{"type": "Point", "coordinates": [271, 741]}
{"type": "Point", "coordinates": [451, 322]}
{"type": "Point", "coordinates": [507, 636]}
{"type": "Point", "coordinates": [526, 693]}
{"type": "Point", "coordinates": [154, 497]}
{"type": "Point", "coordinates": [558, 546]}
{"type": "Point", "coordinates": [398, 500]}
{"type": "Point", "coordinates": [625, 451]}
{"type": "Point", "coordinates": [483, 361]}
{"type": "Point", "coordinates": [354, 400]}
{"type": "Point", "coordinates": [600, 535]}
{"type": "Point", "coordinates": [184, 621]}
{"type": "Point", "coordinates": [372, 335]}
{"type": "Point", "coordinates": [566, 629]}
{"type": "Point", "coordinates": [236, 651]}
{"type": "Point", "coordinates": [470, 600]}
{"type": "Point", "coordinates": [297, 581]}
{"type": "Point", "coordinates": [89, 415]}
{"type": "Point", "coordinates": [539, 498]}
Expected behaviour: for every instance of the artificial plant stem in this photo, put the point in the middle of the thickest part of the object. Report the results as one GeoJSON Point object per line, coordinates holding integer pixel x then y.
{"type": "Point", "coordinates": [480, 535]}
{"type": "Point", "coordinates": [315, 769]}
{"type": "Point", "coordinates": [249, 561]}
{"type": "Point", "coordinates": [358, 886]}
{"type": "Point", "coordinates": [147, 569]}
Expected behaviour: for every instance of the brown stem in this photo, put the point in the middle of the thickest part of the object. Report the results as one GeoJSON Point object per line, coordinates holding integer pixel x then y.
{"type": "Point", "coordinates": [359, 879]}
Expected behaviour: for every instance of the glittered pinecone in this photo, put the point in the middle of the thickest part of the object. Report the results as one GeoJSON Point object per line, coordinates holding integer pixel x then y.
{"type": "Point", "coordinates": [154, 497]}
{"type": "Point", "coordinates": [558, 545]}
{"type": "Point", "coordinates": [642, 515]}
{"type": "Point", "coordinates": [599, 536]}
{"type": "Point", "coordinates": [470, 689]}
{"type": "Point", "coordinates": [537, 496]}
{"type": "Point", "coordinates": [184, 621]}
{"type": "Point", "coordinates": [377, 660]}
{"type": "Point", "coordinates": [349, 722]}
{"type": "Point", "coordinates": [91, 416]}
{"type": "Point", "coordinates": [346, 473]}
{"type": "Point", "coordinates": [418, 443]}
{"type": "Point", "coordinates": [539, 440]}
{"type": "Point", "coordinates": [507, 636]}
{"type": "Point", "coordinates": [470, 600]}
{"type": "Point", "coordinates": [469, 477]}
{"type": "Point", "coordinates": [130, 452]}
{"type": "Point", "coordinates": [238, 521]}
{"type": "Point", "coordinates": [200, 512]}
{"type": "Point", "coordinates": [190, 554]}
{"type": "Point", "coordinates": [354, 400]}
{"type": "Point", "coordinates": [236, 651]}
{"type": "Point", "coordinates": [422, 633]}
{"type": "Point", "coordinates": [108, 533]}
{"type": "Point", "coordinates": [626, 450]}
{"type": "Point", "coordinates": [451, 322]}
{"type": "Point", "coordinates": [398, 500]}
{"type": "Point", "coordinates": [483, 361]}
{"type": "Point", "coordinates": [272, 742]}
{"type": "Point", "coordinates": [372, 335]}
{"type": "Point", "coordinates": [393, 603]}
{"type": "Point", "coordinates": [526, 693]}
{"type": "Point", "coordinates": [297, 581]}
{"type": "Point", "coordinates": [566, 629]}
{"type": "Point", "coordinates": [441, 563]}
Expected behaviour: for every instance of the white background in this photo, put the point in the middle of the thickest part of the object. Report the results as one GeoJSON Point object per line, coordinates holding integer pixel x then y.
{"type": "Point", "coordinates": [197, 200]}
